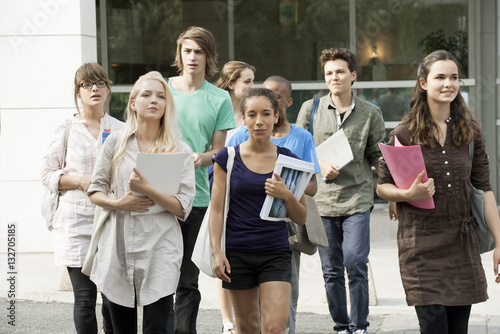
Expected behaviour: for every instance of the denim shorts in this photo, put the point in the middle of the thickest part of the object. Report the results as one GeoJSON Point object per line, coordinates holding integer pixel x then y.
{"type": "Point", "coordinates": [249, 269]}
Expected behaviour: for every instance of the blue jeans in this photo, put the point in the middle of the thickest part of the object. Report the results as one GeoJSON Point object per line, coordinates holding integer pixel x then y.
{"type": "Point", "coordinates": [349, 246]}
{"type": "Point", "coordinates": [188, 297]}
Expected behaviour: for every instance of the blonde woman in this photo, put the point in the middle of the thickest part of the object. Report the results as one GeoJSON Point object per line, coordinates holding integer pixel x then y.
{"type": "Point", "coordinates": [139, 257]}
{"type": "Point", "coordinates": [73, 220]}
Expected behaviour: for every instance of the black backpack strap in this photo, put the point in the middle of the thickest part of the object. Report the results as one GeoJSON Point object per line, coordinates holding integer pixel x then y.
{"type": "Point", "coordinates": [314, 110]}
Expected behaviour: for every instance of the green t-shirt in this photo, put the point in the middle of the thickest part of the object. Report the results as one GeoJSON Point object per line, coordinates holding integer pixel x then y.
{"type": "Point", "coordinates": [201, 113]}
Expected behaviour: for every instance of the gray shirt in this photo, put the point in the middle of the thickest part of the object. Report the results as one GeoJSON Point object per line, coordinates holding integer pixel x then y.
{"type": "Point", "coordinates": [138, 256]}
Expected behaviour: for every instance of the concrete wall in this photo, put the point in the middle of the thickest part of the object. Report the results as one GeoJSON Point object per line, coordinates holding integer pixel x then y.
{"type": "Point", "coordinates": [42, 44]}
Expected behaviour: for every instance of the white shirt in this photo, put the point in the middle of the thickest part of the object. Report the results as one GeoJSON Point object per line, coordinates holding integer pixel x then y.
{"type": "Point", "coordinates": [75, 214]}
{"type": "Point", "coordinates": [138, 255]}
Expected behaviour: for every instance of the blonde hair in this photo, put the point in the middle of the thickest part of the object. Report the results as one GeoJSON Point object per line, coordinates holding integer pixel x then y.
{"type": "Point", "coordinates": [91, 72]}
{"type": "Point", "coordinates": [168, 135]}
{"type": "Point", "coordinates": [206, 41]}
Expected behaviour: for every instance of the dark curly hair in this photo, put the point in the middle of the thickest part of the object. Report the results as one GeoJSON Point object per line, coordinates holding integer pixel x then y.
{"type": "Point", "coordinates": [338, 53]}
{"type": "Point", "coordinates": [267, 93]}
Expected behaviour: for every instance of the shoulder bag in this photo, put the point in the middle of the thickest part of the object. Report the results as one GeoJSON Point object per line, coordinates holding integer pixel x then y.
{"type": "Point", "coordinates": [50, 200]}
{"type": "Point", "coordinates": [306, 238]}
{"type": "Point", "coordinates": [202, 252]}
{"type": "Point", "coordinates": [100, 216]}
{"type": "Point", "coordinates": [486, 241]}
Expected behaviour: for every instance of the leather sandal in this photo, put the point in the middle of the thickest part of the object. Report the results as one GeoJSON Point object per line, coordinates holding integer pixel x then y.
{"type": "Point", "coordinates": [228, 328]}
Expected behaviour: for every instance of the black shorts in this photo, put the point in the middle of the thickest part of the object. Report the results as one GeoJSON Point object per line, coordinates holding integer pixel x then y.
{"type": "Point", "coordinates": [249, 269]}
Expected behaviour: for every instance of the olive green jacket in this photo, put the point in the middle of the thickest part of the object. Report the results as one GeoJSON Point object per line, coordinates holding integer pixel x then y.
{"type": "Point", "coordinates": [352, 190]}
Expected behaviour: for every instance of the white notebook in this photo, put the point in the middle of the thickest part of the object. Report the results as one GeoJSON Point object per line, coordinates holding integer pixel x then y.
{"type": "Point", "coordinates": [335, 150]}
{"type": "Point", "coordinates": [163, 171]}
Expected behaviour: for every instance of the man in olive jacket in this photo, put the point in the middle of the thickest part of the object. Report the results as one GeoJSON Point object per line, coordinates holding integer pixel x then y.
{"type": "Point", "coordinates": [345, 197]}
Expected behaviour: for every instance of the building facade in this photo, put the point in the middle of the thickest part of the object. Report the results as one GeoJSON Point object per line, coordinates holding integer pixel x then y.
{"type": "Point", "coordinates": [43, 42]}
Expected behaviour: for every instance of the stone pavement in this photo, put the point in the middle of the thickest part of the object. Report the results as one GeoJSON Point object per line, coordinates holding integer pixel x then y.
{"type": "Point", "coordinates": [41, 308]}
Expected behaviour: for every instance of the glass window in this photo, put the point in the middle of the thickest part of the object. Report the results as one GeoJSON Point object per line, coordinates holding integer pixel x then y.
{"type": "Point", "coordinates": [118, 104]}
{"type": "Point", "coordinates": [285, 37]}
{"type": "Point", "coordinates": [289, 46]}
{"type": "Point", "coordinates": [393, 36]}
{"type": "Point", "coordinates": [392, 101]}
{"type": "Point", "coordinates": [141, 37]}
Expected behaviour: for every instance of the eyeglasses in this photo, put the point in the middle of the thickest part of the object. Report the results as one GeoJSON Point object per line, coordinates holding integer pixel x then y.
{"type": "Point", "coordinates": [89, 85]}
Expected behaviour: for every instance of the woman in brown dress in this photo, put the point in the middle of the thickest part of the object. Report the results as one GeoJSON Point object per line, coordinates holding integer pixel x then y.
{"type": "Point", "coordinates": [439, 256]}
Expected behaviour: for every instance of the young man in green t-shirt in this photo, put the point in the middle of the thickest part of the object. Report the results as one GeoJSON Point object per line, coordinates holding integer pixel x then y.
{"type": "Point", "coordinates": [205, 114]}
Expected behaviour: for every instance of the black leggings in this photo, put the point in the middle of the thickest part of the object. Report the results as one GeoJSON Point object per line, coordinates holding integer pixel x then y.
{"type": "Point", "coordinates": [439, 319]}
{"type": "Point", "coordinates": [155, 316]}
{"type": "Point", "coordinates": [85, 293]}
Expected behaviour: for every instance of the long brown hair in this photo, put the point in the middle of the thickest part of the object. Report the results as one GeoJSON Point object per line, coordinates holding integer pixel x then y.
{"type": "Point", "coordinates": [232, 72]}
{"type": "Point", "coordinates": [421, 125]}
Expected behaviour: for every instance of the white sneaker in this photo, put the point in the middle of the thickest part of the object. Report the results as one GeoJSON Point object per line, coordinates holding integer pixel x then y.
{"type": "Point", "coordinates": [360, 331]}
{"type": "Point", "coordinates": [344, 331]}
{"type": "Point", "coordinates": [228, 328]}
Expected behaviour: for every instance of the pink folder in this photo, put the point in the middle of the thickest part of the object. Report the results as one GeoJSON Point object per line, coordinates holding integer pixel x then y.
{"type": "Point", "coordinates": [405, 163]}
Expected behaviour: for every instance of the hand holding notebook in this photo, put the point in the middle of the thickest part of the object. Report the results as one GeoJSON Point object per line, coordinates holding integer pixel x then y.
{"type": "Point", "coordinates": [405, 163]}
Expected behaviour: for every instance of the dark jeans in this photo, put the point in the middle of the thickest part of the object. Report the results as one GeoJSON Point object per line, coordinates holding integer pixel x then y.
{"type": "Point", "coordinates": [188, 297]}
{"type": "Point", "coordinates": [155, 318]}
{"type": "Point", "coordinates": [85, 293]}
{"type": "Point", "coordinates": [439, 319]}
{"type": "Point", "coordinates": [349, 246]}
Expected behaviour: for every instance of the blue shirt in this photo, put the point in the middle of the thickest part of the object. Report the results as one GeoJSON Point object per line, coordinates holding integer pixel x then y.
{"type": "Point", "coordinates": [299, 141]}
{"type": "Point", "coordinates": [245, 231]}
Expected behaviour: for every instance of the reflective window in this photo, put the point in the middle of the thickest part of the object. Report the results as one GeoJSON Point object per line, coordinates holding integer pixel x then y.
{"type": "Point", "coordinates": [118, 104]}
{"type": "Point", "coordinates": [288, 46]}
{"type": "Point", "coordinates": [285, 37]}
{"type": "Point", "coordinates": [141, 37]}
{"type": "Point", "coordinates": [393, 36]}
{"type": "Point", "coordinates": [392, 101]}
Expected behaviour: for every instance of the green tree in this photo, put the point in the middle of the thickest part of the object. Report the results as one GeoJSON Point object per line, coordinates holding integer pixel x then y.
{"type": "Point", "coordinates": [457, 44]}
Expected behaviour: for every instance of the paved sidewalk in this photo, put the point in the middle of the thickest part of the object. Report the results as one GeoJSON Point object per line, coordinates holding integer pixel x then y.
{"type": "Point", "coordinates": [41, 308]}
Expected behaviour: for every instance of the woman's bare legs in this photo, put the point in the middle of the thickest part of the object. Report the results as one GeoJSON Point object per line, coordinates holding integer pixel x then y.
{"type": "Point", "coordinates": [246, 310]}
{"type": "Point", "coordinates": [274, 299]}
{"type": "Point", "coordinates": [226, 306]}
{"type": "Point", "coordinates": [275, 305]}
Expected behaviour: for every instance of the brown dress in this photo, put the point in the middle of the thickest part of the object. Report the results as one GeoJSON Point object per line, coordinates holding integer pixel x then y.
{"type": "Point", "coordinates": [439, 256]}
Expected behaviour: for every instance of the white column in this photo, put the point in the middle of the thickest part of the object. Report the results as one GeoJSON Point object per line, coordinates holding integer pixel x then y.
{"type": "Point", "coordinates": [42, 43]}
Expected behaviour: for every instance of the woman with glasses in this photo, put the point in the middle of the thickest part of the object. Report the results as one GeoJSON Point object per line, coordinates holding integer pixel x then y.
{"type": "Point", "coordinates": [77, 141]}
